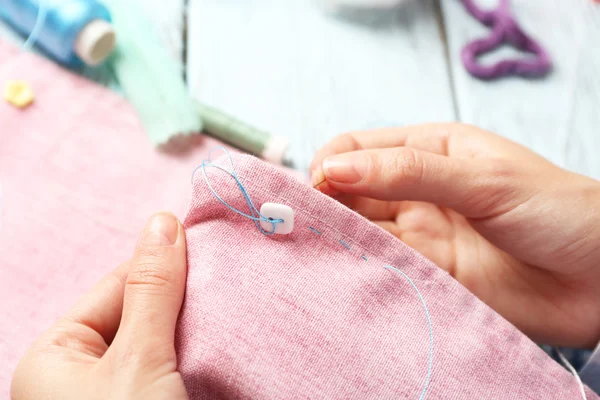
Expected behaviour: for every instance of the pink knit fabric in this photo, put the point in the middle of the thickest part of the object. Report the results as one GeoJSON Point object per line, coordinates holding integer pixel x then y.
{"type": "Point", "coordinates": [78, 180]}
{"type": "Point", "coordinates": [303, 316]}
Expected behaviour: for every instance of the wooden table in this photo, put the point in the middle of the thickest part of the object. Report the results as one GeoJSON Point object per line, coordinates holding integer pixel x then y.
{"type": "Point", "coordinates": [286, 66]}
{"type": "Point", "coordinates": [290, 68]}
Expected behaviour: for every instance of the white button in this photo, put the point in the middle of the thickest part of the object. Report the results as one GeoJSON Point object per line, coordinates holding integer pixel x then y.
{"type": "Point", "coordinates": [277, 211]}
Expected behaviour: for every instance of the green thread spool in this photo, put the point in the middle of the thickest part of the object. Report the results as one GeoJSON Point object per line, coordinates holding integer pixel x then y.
{"type": "Point", "coordinates": [243, 136]}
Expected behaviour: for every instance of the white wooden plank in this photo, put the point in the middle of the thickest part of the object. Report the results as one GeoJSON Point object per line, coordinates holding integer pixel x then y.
{"type": "Point", "coordinates": [557, 116]}
{"type": "Point", "coordinates": [288, 67]}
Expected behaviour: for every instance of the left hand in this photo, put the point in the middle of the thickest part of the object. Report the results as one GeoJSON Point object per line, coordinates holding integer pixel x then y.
{"type": "Point", "coordinates": [516, 230]}
{"type": "Point", "coordinates": [118, 341]}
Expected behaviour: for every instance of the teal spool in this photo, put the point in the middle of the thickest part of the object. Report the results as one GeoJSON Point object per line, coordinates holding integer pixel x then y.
{"type": "Point", "coordinates": [64, 20]}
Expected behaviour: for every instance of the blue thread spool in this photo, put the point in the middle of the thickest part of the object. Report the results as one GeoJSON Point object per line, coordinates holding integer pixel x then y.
{"type": "Point", "coordinates": [73, 32]}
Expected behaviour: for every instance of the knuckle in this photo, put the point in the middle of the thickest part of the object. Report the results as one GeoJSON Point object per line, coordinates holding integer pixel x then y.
{"type": "Point", "coordinates": [136, 357]}
{"type": "Point", "coordinates": [503, 177]}
{"type": "Point", "coordinates": [407, 166]}
{"type": "Point", "coordinates": [69, 334]}
{"type": "Point", "coordinates": [149, 272]}
{"type": "Point", "coordinates": [128, 357]}
{"type": "Point", "coordinates": [462, 128]}
{"type": "Point", "coordinates": [348, 142]}
{"type": "Point", "coordinates": [500, 168]}
{"type": "Point", "coordinates": [501, 188]}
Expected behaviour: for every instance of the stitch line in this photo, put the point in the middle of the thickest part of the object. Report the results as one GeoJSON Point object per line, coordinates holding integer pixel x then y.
{"type": "Point", "coordinates": [315, 231]}
{"type": "Point", "coordinates": [364, 258]}
{"type": "Point", "coordinates": [256, 186]}
{"type": "Point", "coordinates": [296, 208]}
{"type": "Point", "coordinates": [308, 214]}
{"type": "Point", "coordinates": [293, 204]}
{"type": "Point", "coordinates": [345, 244]}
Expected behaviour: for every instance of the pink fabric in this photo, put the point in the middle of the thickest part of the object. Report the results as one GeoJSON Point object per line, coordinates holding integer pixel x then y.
{"type": "Point", "coordinates": [78, 180]}
{"type": "Point", "coordinates": [301, 316]}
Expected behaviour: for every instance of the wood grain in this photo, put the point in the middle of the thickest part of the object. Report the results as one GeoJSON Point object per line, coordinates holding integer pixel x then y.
{"type": "Point", "coordinates": [557, 116]}
{"type": "Point", "coordinates": [289, 67]}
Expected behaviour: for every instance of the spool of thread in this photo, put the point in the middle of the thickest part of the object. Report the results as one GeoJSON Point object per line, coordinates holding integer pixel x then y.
{"type": "Point", "coordinates": [244, 136]}
{"type": "Point", "coordinates": [73, 32]}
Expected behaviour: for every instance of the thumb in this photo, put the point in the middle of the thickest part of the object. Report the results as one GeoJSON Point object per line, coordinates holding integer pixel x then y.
{"type": "Point", "coordinates": [154, 291]}
{"type": "Point", "coordinates": [476, 188]}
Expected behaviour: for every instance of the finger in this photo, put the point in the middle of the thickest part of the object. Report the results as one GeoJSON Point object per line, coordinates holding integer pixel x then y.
{"type": "Point", "coordinates": [100, 309]}
{"type": "Point", "coordinates": [474, 188]}
{"type": "Point", "coordinates": [429, 137]}
{"type": "Point", "coordinates": [154, 289]}
{"type": "Point", "coordinates": [450, 139]}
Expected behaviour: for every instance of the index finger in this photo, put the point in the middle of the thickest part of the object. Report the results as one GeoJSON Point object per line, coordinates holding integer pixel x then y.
{"type": "Point", "coordinates": [432, 138]}
{"type": "Point", "coordinates": [100, 309]}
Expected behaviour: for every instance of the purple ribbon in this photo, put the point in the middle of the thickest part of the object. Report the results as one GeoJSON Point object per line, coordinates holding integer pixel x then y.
{"type": "Point", "coordinates": [505, 30]}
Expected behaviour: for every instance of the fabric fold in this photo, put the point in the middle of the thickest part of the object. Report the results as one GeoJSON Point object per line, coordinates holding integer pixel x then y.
{"type": "Point", "coordinates": [315, 314]}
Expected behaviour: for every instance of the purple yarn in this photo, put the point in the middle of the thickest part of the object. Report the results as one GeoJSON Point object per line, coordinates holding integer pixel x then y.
{"type": "Point", "coordinates": [505, 29]}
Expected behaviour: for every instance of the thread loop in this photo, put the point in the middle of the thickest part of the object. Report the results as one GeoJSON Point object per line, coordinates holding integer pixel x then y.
{"type": "Point", "coordinates": [254, 214]}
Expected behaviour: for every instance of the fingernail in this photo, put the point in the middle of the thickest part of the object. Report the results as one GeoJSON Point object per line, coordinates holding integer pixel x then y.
{"type": "Point", "coordinates": [346, 168]}
{"type": "Point", "coordinates": [317, 177]}
{"type": "Point", "coordinates": [162, 230]}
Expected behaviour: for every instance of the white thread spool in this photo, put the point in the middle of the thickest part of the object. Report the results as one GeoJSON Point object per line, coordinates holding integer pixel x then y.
{"type": "Point", "coordinates": [95, 42]}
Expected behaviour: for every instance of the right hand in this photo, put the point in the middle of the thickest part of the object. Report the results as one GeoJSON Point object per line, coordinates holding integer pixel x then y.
{"type": "Point", "coordinates": [519, 232]}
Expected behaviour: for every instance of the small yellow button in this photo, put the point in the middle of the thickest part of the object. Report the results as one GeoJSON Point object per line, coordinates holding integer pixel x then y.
{"type": "Point", "coordinates": [18, 93]}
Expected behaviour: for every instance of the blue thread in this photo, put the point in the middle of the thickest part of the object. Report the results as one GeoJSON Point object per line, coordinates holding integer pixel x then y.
{"type": "Point", "coordinates": [255, 215]}
{"type": "Point", "coordinates": [39, 24]}
{"type": "Point", "coordinates": [345, 244]}
{"type": "Point", "coordinates": [430, 366]}
{"type": "Point", "coordinates": [364, 258]}
{"type": "Point", "coordinates": [314, 230]}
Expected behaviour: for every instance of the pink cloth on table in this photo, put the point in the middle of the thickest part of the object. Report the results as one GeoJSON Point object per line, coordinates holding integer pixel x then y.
{"type": "Point", "coordinates": [303, 316]}
{"type": "Point", "coordinates": [78, 179]}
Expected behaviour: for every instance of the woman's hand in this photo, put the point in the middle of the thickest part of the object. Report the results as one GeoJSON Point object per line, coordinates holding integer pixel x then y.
{"type": "Point", "coordinates": [118, 341]}
{"type": "Point", "coordinates": [519, 232]}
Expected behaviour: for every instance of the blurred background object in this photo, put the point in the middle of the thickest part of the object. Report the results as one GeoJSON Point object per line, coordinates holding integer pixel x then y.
{"type": "Point", "coordinates": [505, 30]}
{"type": "Point", "coordinates": [290, 68]}
{"type": "Point", "coordinates": [72, 32]}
